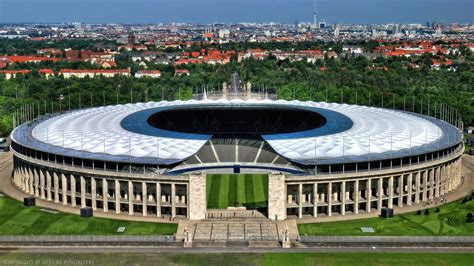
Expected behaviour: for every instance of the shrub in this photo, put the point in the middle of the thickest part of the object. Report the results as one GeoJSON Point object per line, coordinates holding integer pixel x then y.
{"type": "Point", "coordinates": [437, 210]}
{"type": "Point", "coordinates": [418, 212]}
{"type": "Point", "coordinates": [427, 212]}
{"type": "Point", "coordinates": [469, 218]}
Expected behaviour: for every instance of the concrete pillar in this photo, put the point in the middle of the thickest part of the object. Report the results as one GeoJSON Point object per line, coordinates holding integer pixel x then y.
{"type": "Point", "coordinates": [56, 187]}
{"type": "Point", "coordinates": [451, 176]}
{"type": "Point", "coordinates": [105, 195]}
{"type": "Point", "coordinates": [437, 182]}
{"type": "Point", "coordinates": [197, 196]}
{"type": "Point", "coordinates": [432, 183]}
{"type": "Point", "coordinates": [330, 195]}
{"type": "Point", "coordinates": [94, 193]}
{"type": "Point", "coordinates": [425, 185]}
{"type": "Point", "coordinates": [401, 187]}
{"type": "Point", "coordinates": [390, 192]}
{"type": "Point", "coordinates": [41, 184]}
{"type": "Point", "coordinates": [158, 200]}
{"type": "Point", "coordinates": [173, 200]}
{"type": "Point", "coordinates": [442, 180]}
{"type": "Point", "coordinates": [343, 198]}
{"type": "Point", "coordinates": [83, 192]}
{"type": "Point", "coordinates": [379, 194]}
{"type": "Point", "coordinates": [26, 179]}
{"type": "Point", "coordinates": [64, 188]}
{"type": "Point", "coordinates": [48, 185]}
{"type": "Point", "coordinates": [144, 199]}
{"type": "Point", "coordinates": [117, 196]}
{"type": "Point", "coordinates": [410, 189]}
{"type": "Point", "coordinates": [417, 186]}
{"type": "Point", "coordinates": [315, 199]}
{"type": "Point", "coordinates": [31, 179]}
{"type": "Point", "coordinates": [73, 190]}
{"type": "Point", "coordinates": [130, 198]}
{"type": "Point", "coordinates": [356, 198]}
{"type": "Point", "coordinates": [368, 194]}
{"type": "Point", "coordinates": [300, 200]}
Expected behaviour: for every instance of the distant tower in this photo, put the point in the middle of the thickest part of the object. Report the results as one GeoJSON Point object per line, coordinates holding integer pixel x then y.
{"type": "Point", "coordinates": [315, 21]}
{"type": "Point", "coordinates": [336, 32]}
{"type": "Point", "coordinates": [131, 38]}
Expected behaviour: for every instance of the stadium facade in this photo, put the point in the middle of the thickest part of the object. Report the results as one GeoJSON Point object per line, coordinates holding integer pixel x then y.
{"type": "Point", "coordinates": [323, 159]}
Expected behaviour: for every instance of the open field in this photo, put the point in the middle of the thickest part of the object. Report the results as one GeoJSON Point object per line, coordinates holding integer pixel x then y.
{"type": "Point", "coordinates": [238, 259]}
{"type": "Point", "coordinates": [227, 190]}
{"type": "Point", "coordinates": [15, 219]}
{"type": "Point", "coordinates": [450, 220]}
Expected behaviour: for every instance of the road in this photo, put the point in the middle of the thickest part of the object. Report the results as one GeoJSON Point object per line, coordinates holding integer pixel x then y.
{"type": "Point", "coordinates": [148, 249]}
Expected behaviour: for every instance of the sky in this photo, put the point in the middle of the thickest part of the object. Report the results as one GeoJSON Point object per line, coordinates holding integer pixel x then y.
{"type": "Point", "coordinates": [233, 11]}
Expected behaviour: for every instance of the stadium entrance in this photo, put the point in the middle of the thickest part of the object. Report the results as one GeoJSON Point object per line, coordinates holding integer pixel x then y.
{"type": "Point", "coordinates": [237, 193]}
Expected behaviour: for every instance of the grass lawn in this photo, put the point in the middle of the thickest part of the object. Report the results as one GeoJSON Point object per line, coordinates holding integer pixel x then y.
{"type": "Point", "coordinates": [227, 190]}
{"type": "Point", "coordinates": [238, 259]}
{"type": "Point", "coordinates": [15, 219]}
{"type": "Point", "coordinates": [451, 220]}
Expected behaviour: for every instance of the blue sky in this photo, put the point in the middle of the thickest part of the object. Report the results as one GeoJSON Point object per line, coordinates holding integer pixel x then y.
{"type": "Point", "coordinates": [228, 11]}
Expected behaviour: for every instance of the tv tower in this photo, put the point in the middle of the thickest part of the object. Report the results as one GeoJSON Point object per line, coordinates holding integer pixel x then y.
{"type": "Point", "coordinates": [315, 22]}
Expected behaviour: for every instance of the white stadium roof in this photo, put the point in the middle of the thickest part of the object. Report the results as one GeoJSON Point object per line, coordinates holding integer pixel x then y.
{"type": "Point", "coordinates": [375, 133]}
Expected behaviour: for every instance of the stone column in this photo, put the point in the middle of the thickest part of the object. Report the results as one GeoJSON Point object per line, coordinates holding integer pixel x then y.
{"type": "Point", "coordinates": [56, 187]}
{"type": "Point", "coordinates": [343, 198]}
{"type": "Point", "coordinates": [330, 195]}
{"type": "Point", "coordinates": [144, 199]}
{"type": "Point", "coordinates": [356, 198]}
{"type": "Point", "coordinates": [173, 200]}
{"type": "Point", "coordinates": [401, 187]}
{"type": "Point", "coordinates": [130, 198]}
{"type": "Point", "coordinates": [390, 192]}
{"type": "Point", "coordinates": [452, 174]}
{"type": "Point", "coordinates": [300, 200]}
{"type": "Point", "coordinates": [417, 182]}
{"type": "Point", "coordinates": [197, 196]}
{"type": "Point", "coordinates": [94, 193]}
{"type": "Point", "coordinates": [83, 192]}
{"type": "Point", "coordinates": [158, 200]}
{"type": "Point", "coordinates": [48, 185]}
{"type": "Point", "coordinates": [31, 180]}
{"type": "Point", "coordinates": [425, 185]}
{"type": "Point", "coordinates": [26, 179]}
{"type": "Point", "coordinates": [73, 190]}
{"type": "Point", "coordinates": [105, 195]}
{"type": "Point", "coordinates": [442, 180]}
{"type": "Point", "coordinates": [432, 183]}
{"type": "Point", "coordinates": [64, 188]}
{"type": "Point", "coordinates": [42, 184]}
{"type": "Point", "coordinates": [117, 196]}
{"type": "Point", "coordinates": [437, 182]}
{"type": "Point", "coordinates": [315, 199]}
{"type": "Point", "coordinates": [410, 189]}
{"type": "Point", "coordinates": [368, 195]}
{"type": "Point", "coordinates": [379, 194]}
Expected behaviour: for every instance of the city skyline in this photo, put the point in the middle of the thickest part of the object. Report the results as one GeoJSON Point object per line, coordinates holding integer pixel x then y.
{"type": "Point", "coordinates": [235, 11]}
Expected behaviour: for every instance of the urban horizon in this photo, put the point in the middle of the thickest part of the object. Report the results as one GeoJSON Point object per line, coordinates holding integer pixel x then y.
{"type": "Point", "coordinates": [235, 12]}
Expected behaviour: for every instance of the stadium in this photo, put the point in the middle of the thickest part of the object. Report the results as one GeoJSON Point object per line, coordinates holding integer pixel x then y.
{"type": "Point", "coordinates": [319, 159]}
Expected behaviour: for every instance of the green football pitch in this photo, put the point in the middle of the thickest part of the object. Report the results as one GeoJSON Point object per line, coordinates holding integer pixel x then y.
{"type": "Point", "coordinates": [233, 190]}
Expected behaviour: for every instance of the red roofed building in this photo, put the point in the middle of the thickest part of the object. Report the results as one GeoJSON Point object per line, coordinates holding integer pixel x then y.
{"type": "Point", "coordinates": [10, 74]}
{"type": "Point", "coordinates": [26, 59]}
{"type": "Point", "coordinates": [47, 72]}
{"type": "Point", "coordinates": [181, 72]}
{"type": "Point", "coordinates": [148, 74]}
{"type": "Point", "coordinates": [81, 73]}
